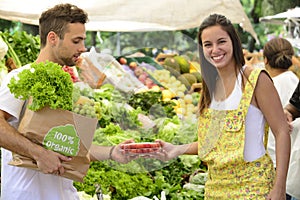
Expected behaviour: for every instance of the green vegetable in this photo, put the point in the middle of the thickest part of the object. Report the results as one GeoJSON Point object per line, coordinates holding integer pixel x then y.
{"type": "Point", "coordinates": [11, 53]}
{"type": "Point", "coordinates": [23, 47]}
{"type": "Point", "coordinates": [125, 117]}
{"type": "Point", "coordinates": [151, 103]}
{"type": "Point", "coordinates": [119, 185]}
{"type": "Point", "coordinates": [199, 178]}
{"type": "Point", "coordinates": [46, 83]}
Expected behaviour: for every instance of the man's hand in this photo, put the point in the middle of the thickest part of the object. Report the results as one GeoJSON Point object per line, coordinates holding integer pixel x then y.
{"type": "Point", "coordinates": [117, 155]}
{"type": "Point", "coordinates": [289, 118]}
{"type": "Point", "coordinates": [50, 162]}
{"type": "Point", "coordinates": [288, 115]}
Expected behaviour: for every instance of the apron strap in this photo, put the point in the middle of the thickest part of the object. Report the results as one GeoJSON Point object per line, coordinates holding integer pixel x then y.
{"type": "Point", "coordinates": [248, 94]}
{"type": "Point", "coordinates": [249, 88]}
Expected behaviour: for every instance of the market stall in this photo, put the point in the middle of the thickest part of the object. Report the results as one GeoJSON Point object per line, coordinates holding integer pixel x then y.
{"type": "Point", "coordinates": [290, 20]}
{"type": "Point", "coordinates": [138, 96]}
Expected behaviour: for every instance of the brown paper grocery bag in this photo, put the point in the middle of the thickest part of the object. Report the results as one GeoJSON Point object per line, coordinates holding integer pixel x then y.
{"type": "Point", "coordinates": [62, 131]}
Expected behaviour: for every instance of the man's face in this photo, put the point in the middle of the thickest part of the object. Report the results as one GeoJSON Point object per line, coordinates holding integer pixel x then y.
{"type": "Point", "coordinates": [69, 49]}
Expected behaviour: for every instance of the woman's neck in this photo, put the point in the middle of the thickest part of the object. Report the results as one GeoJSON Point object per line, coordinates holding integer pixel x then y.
{"type": "Point", "coordinates": [225, 84]}
{"type": "Point", "coordinates": [227, 74]}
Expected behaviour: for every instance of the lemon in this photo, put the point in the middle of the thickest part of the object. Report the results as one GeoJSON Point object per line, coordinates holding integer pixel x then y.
{"type": "Point", "coordinates": [155, 88]}
{"type": "Point", "coordinates": [167, 94]}
{"type": "Point", "coordinates": [194, 67]}
{"type": "Point", "coordinates": [188, 99]}
{"type": "Point", "coordinates": [181, 111]}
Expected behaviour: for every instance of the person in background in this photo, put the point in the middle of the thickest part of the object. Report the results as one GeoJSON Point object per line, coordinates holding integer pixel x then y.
{"type": "Point", "coordinates": [292, 109]}
{"type": "Point", "coordinates": [62, 34]}
{"type": "Point", "coordinates": [278, 54]}
{"type": "Point", "coordinates": [235, 108]}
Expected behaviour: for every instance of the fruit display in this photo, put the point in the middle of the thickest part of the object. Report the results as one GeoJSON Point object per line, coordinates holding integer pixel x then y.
{"type": "Point", "coordinates": [187, 79]}
{"type": "Point", "coordinates": [183, 63]}
{"type": "Point", "coordinates": [140, 71]}
{"type": "Point", "coordinates": [171, 83]}
{"type": "Point", "coordinates": [174, 76]}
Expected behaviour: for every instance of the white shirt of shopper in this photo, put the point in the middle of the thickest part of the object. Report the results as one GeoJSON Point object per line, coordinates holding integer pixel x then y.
{"type": "Point", "coordinates": [285, 84]}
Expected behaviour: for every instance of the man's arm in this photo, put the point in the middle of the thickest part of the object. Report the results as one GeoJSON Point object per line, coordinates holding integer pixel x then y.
{"type": "Point", "coordinates": [11, 139]}
{"type": "Point", "coordinates": [98, 153]}
{"type": "Point", "coordinates": [292, 110]}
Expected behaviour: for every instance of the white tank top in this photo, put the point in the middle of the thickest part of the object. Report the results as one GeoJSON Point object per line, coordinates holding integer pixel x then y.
{"type": "Point", "coordinates": [255, 122]}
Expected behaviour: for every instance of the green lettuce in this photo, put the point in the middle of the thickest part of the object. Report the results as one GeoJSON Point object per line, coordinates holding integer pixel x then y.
{"type": "Point", "coordinates": [46, 83]}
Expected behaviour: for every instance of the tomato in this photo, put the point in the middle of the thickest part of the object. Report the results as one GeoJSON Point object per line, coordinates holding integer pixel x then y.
{"type": "Point", "coordinates": [142, 145]}
{"type": "Point", "coordinates": [133, 65]}
{"type": "Point", "coordinates": [133, 151]}
{"type": "Point", "coordinates": [140, 148]}
{"type": "Point", "coordinates": [70, 70]}
{"type": "Point", "coordinates": [123, 61]}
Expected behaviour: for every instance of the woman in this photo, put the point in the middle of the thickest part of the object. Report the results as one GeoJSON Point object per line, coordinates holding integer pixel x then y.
{"type": "Point", "coordinates": [235, 106]}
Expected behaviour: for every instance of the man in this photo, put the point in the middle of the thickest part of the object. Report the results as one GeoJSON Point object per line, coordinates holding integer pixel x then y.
{"type": "Point", "coordinates": [292, 110]}
{"type": "Point", "coordinates": [62, 33]}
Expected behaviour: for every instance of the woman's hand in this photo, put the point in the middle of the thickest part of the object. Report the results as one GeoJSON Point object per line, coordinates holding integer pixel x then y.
{"type": "Point", "coordinates": [168, 151]}
{"type": "Point", "coordinates": [277, 193]}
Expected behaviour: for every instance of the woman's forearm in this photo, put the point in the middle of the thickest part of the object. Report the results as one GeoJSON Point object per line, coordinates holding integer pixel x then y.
{"type": "Point", "coordinates": [283, 148]}
{"type": "Point", "coordinates": [188, 149]}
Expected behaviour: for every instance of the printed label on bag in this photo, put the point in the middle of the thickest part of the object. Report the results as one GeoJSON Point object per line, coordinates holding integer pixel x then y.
{"type": "Point", "coordinates": [62, 139]}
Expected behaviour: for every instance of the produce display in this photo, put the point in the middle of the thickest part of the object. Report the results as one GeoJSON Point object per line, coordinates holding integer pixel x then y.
{"type": "Point", "coordinates": [23, 48]}
{"type": "Point", "coordinates": [140, 98]}
{"type": "Point", "coordinates": [147, 114]}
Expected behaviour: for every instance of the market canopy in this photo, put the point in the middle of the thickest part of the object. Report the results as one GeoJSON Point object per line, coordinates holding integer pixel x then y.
{"type": "Point", "coordinates": [290, 19]}
{"type": "Point", "coordinates": [134, 15]}
{"type": "Point", "coordinates": [293, 13]}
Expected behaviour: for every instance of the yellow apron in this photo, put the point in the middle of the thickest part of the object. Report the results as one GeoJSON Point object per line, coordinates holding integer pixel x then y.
{"type": "Point", "coordinates": [221, 136]}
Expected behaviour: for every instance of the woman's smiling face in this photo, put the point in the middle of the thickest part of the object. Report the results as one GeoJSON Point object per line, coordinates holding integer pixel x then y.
{"type": "Point", "coordinates": [217, 46]}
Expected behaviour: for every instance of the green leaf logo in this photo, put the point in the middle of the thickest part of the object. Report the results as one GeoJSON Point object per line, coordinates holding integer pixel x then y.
{"type": "Point", "coordinates": [62, 139]}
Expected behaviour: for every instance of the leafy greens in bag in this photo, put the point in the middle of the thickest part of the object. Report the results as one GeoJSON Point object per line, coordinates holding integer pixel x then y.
{"type": "Point", "coordinates": [46, 83]}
